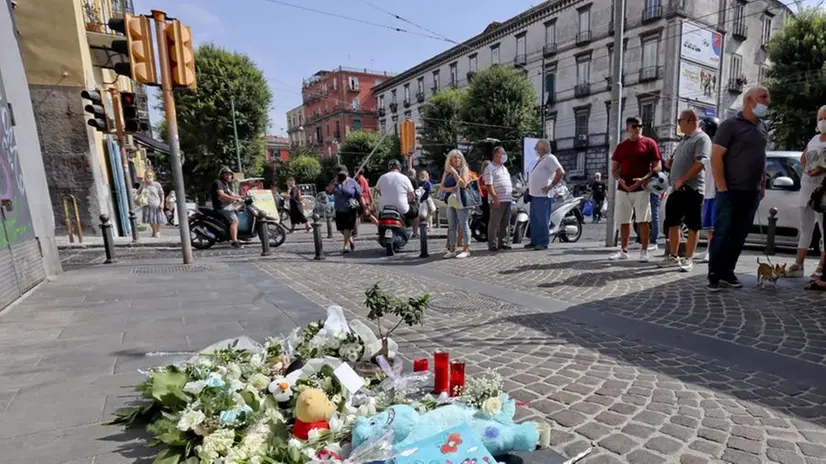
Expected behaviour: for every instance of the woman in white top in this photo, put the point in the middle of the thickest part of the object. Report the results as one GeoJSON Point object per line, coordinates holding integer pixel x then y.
{"type": "Point", "coordinates": [813, 161]}
{"type": "Point", "coordinates": [153, 209]}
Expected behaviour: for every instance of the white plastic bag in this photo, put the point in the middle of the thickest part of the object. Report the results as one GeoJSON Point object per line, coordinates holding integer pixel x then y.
{"type": "Point", "coordinates": [372, 344]}
{"type": "Point", "coordinates": [336, 324]}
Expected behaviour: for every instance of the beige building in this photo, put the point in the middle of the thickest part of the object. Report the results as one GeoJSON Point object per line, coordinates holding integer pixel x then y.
{"type": "Point", "coordinates": [295, 126]}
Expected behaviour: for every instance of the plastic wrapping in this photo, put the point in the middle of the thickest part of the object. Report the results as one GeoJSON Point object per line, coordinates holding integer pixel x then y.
{"type": "Point", "coordinates": [243, 343]}
{"type": "Point", "coordinates": [416, 384]}
{"type": "Point", "coordinates": [335, 324]}
{"type": "Point", "coordinates": [379, 449]}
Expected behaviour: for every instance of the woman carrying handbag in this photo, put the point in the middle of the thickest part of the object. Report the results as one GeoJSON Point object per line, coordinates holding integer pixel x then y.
{"type": "Point", "coordinates": [461, 196]}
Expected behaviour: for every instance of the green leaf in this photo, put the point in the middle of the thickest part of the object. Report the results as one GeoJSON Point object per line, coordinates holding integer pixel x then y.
{"type": "Point", "coordinates": [168, 456]}
{"type": "Point", "coordinates": [169, 383]}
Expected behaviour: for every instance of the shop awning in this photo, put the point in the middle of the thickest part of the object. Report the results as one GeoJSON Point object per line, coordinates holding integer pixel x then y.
{"type": "Point", "coordinates": [151, 143]}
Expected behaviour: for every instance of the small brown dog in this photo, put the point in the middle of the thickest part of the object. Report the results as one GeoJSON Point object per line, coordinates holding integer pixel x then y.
{"type": "Point", "coordinates": [767, 272]}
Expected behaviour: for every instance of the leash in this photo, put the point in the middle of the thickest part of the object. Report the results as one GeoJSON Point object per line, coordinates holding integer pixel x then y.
{"type": "Point", "coordinates": [764, 238]}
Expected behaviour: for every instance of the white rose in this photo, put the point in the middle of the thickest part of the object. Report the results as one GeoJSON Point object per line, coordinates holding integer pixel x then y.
{"type": "Point", "coordinates": [336, 423]}
{"type": "Point", "coordinates": [233, 371]}
{"type": "Point", "coordinates": [259, 381]}
{"type": "Point", "coordinates": [309, 452]}
{"type": "Point", "coordinates": [235, 384]}
{"type": "Point", "coordinates": [190, 419]}
{"type": "Point", "coordinates": [492, 407]}
{"type": "Point", "coordinates": [195, 388]}
{"type": "Point", "coordinates": [349, 419]}
{"type": "Point", "coordinates": [333, 343]}
{"type": "Point", "coordinates": [257, 361]}
{"type": "Point", "coordinates": [336, 399]}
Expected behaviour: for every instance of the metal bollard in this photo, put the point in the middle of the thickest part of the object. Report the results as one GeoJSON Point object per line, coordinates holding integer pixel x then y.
{"type": "Point", "coordinates": [329, 220]}
{"type": "Point", "coordinates": [423, 239]}
{"type": "Point", "coordinates": [264, 235]}
{"type": "Point", "coordinates": [771, 231]}
{"type": "Point", "coordinates": [317, 243]}
{"type": "Point", "coordinates": [108, 239]}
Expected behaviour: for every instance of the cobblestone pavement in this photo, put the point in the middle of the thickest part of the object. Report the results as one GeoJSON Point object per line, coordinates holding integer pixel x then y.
{"type": "Point", "coordinates": [638, 401]}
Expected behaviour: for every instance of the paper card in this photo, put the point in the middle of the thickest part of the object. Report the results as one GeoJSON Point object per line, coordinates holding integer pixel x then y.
{"type": "Point", "coordinates": [457, 445]}
{"type": "Point", "coordinates": [348, 378]}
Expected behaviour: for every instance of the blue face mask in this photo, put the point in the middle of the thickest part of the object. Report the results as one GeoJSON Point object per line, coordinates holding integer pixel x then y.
{"type": "Point", "coordinates": [504, 158]}
{"type": "Point", "coordinates": [761, 110]}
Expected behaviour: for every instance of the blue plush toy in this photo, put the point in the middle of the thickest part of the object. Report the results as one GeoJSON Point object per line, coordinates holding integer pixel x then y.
{"type": "Point", "coordinates": [499, 434]}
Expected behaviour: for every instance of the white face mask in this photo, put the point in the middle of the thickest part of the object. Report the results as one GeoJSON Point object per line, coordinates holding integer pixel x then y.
{"type": "Point", "coordinates": [821, 126]}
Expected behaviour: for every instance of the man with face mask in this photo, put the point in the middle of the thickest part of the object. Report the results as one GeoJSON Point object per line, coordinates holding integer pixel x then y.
{"type": "Point", "coordinates": [500, 197]}
{"type": "Point", "coordinates": [738, 164]}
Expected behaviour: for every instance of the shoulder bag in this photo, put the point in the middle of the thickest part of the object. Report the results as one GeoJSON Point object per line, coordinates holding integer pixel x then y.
{"type": "Point", "coordinates": [470, 195]}
{"type": "Point", "coordinates": [818, 199]}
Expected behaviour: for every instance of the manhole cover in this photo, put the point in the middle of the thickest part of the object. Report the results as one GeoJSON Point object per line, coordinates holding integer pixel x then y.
{"type": "Point", "coordinates": [458, 303]}
{"type": "Point", "coordinates": [170, 269]}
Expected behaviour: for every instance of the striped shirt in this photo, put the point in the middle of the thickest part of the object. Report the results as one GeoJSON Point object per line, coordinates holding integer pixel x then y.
{"type": "Point", "coordinates": [498, 177]}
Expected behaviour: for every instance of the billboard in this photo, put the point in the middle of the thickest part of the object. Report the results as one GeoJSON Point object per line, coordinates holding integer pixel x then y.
{"type": "Point", "coordinates": [701, 44]}
{"type": "Point", "coordinates": [701, 110]}
{"type": "Point", "coordinates": [698, 83]}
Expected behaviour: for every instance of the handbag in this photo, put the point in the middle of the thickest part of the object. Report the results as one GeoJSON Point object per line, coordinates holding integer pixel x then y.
{"type": "Point", "coordinates": [818, 199]}
{"type": "Point", "coordinates": [470, 195]}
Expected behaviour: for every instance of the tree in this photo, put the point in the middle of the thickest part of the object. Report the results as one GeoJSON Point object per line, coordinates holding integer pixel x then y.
{"type": "Point", "coordinates": [441, 127]}
{"type": "Point", "coordinates": [205, 116]}
{"type": "Point", "coordinates": [501, 104]}
{"type": "Point", "coordinates": [382, 304]}
{"type": "Point", "coordinates": [797, 78]}
{"type": "Point", "coordinates": [304, 168]}
{"type": "Point", "coordinates": [329, 169]}
{"type": "Point", "coordinates": [358, 145]}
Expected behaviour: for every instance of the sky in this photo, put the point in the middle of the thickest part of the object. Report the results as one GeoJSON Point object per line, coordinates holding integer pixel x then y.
{"type": "Point", "coordinates": [290, 44]}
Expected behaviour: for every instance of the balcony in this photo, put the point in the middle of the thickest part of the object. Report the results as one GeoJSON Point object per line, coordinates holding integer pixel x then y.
{"type": "Point", "coordinates": [583, 37]}
{"type": "Point", "coordinates": [549, 49]}
{"type": "Point", "coordinates": [394, 107]}
{"type": "Point", "coordinates": [582, 90]}
{"type": "Point", "coordinates": [581, 139]}
{"type": "Point", "coordinates": [382, 111]}
{"type": "Point", "coordinates": [520, 60]}
{"type": "Point", "coordinates": [650, 73]}
{"type": "Point", "coordinates": [652, 13]}
{"type": "Point", "coordinates": [736, 84]}
{"type": "Point", "coordinates": [550, 100]}
{"type": "Point", "coordinates": [739, 30]}
{"type": "Point", "coordinates": [470, 75]}
{"type": "Point", "coordinates": [420, 97]}
{"type": "Point", "coordinates": [406, 103]}
{"type": "Point", "coordinates": [99, 35]}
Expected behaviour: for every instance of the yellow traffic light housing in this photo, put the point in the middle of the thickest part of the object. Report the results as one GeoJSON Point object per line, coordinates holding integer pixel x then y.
{"type": "Point", "coordinates": [138, 48]}
{"type": "Point", "coordinates": [407, 134]}
{"type": "Point", "coordinates": [181, 55]}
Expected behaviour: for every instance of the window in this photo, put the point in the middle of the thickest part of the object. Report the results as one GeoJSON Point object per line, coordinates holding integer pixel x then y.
{"type": "Point", "coordinates": [580, 163]}
{"type": "Point", "coordinates": [736, 67]}
{"type": "Point", "coordinates": [649, 53]}
{"type": "Point", "coordinates": [775, 167]}
{"type": "Point", "coordinates": [335, 83]}
{"type": "Point", "coordinates": [761, 76]}
{"type": "Point", "coordinates": [472, 63]}
{"type": "Point", "coordinates": [435, 80]}
{"type": "Point", "coordinates": [583, 71]}
{"type": "Point", "coordinates": [550, 127]}
{"type": "Point", "coordinates": [396, 128]}
{"type": "Point", "coordinates": [494, 54]}
{"type": "Point", "coordinates": [585, 20]}
{"type": "Point", "coordinates": [407, 93]}
{"type": "Point", "coordinates": [550, 84]}
{"type": "Point", "coordinates": [739, 13]}
{"type": "Point", "coordinates": [328, 129]}
{"type": "Point", "coordinates": [550, 32]}
{"type": "Point", "coordinates": [521, 45]}
{"type": "Point", "coordinates": [357, 124]}
{"type": "Point", "coordinates": [356, 105]}
{"type": "Point", "coordinates": [354, 83]}
{"type": "Point", "coordinates": [581, 122]}
{"type": "Point", "coordinates": [338, 130]}
{"type": "Point", "coordinates": [767, 30]}
{"type": "Point", "coordinates": [454, 78]}
{"type": "Point", "coordinates": [382, 123]}
{"type": "Point", "coordinates": [324, 87]}
{"type": "Point", "coordinates": [392, 97]}
{"type": "Point", "coordinates": [647, 116]}
{"type": "Point", "coordinates": [381, 101]}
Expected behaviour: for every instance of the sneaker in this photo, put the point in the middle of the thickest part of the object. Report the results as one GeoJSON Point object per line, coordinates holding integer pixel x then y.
{"type": "Point", "coordinates": [795, 270]}
{"type": "Point", "coordinates": [707, 257]}
{"type": "Point", "coordinates": [505, 247]}
{"type": "Point", "coordinates": [540, 247]}
{"type": "Point", "coordinates": [713, 287]}
{"type": "Point", "coordinates": [669, 261]}
{"type": "Point", "coordinates": [463, 255]}
{"type": "Point", "coordinates": [449, 254]}
{"type": "Point", "coordinates": [352, 245]}
{"type": "Point", "coordinates": [644, 256]}
{"type": "Point", "coordinates": [686, 265]}
{"type": "Point", "coordinates": [236, 244]}
{"type": "Point", "coordinates": [620, 255]}
{"type": "Point", "coordinates": [818, 272]}
{"type": "Point", "coordinates": [529, 246]}
{"type": "Point", "coordinates": [345, 250]}
{"type": "Point", "coordinates": [731, 282]}
{"type": "Point", "coordinates": [653, 247]}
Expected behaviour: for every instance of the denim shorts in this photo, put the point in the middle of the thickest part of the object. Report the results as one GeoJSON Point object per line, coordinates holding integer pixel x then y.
{"type": "Point", "coordinates": [708, 214]}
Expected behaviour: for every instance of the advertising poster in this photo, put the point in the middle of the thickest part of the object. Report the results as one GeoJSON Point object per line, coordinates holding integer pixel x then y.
{"type": "Point", "coordinates": [702, 112]}
{"type": "Point", "coordinates": [529, 156]}
{"type": "Point", "coordinates": [701, 44]}
{"type": "Point", "coordinates": [264, 201]}
{"type": "Point", "coordinates": [698, 83]}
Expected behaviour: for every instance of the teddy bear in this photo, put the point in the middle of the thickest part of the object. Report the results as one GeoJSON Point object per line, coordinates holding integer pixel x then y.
{"type": "Point", "coordinates": [313, 410]}
{"type": "Point", "coordinates": [498, 433]}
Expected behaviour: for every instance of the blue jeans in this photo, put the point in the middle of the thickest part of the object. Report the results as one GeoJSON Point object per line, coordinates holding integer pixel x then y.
{"type": "Point", "coordinates": [654, 232]}
{"type": "Point", "coordinates": [458, 218]}
{"type": "Point", "coordinates": [540, 216]}
{"type": "Point", "coordinates": [732, 221]}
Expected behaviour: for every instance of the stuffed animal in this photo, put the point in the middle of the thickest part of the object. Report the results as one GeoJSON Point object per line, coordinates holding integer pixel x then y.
{"type": "Point", "coordinates": [312, 411]}
{"type": "Point", "coordinates": [499, 433]}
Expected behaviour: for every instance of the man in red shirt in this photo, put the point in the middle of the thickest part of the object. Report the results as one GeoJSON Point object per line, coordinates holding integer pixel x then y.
{"type": "Point", "coordinates": [635, 160]}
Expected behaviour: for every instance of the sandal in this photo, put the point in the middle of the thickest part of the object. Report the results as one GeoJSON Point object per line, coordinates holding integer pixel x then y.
{"type": "Point", "coordinates": [815, 285]}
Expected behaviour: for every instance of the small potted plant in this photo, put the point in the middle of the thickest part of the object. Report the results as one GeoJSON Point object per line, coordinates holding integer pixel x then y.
{"type": "Point", "coordinates": [92, 17]}
{"type": "Point", "coordinates": [381, 304]}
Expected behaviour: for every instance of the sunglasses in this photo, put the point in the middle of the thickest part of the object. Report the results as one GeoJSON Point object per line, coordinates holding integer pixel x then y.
{"type": "Point", "coordinates": [635, 126]}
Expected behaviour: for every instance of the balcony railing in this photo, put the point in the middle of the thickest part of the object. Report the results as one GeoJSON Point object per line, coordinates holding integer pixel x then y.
{"type": "Point", "coordinates": [581, 139]}
{"type": "Point", "coordinates": [382, 111]}
{"type": "Point", "coordinates": [520, 60]}
{"type": "Point", "coordinates": [583, 37]}
{"type": "Point", "coordinates": [736, 84]}
{"type": "Point", "coordinates": [609, 81]}
{"type": "Point", "coordinates": [406, 103]}
{"type": "Point", "coordinates": [549, 49]}
{"type": "Point", "coordinates": [98, 15]}
{"type": "Point", "coordinates": [394, 107]}
{"type": "Point", "coordinates": [652, 13]}
{"type": "Point", "coordinates": [582, 90]}
{"type": "Point", "coordinates": [420, 97]}
{"type": "Point", "coordinates": [649, 73]}
{"type": "Point", "coordinates": [739, 30]}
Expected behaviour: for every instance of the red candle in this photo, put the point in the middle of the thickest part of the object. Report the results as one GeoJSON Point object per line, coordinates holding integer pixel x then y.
{"type": "Point", "coordinates": [421, 365]}
{"type": "Point", "coordinates": [441, 374]}
{"type": "Point", "coordinates": [457, 378]}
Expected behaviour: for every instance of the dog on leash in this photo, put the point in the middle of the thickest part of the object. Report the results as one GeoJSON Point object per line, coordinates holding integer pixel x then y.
{"type": "Point", "coordinates": [767, 272]}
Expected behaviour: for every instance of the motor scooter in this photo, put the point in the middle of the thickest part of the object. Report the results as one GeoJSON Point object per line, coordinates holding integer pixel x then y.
{"type": "Point", "coordinates": [208, 227]}
{"type": "Point", "coordinates": [566, 218]}
{"type": "Point", "coordinates": [393, 234]}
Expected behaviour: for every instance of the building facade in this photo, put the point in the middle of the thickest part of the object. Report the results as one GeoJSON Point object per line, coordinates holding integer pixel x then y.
{"type": "Point", "coordinates": [28, 253]}
{"type": "Point", "coordinates": [63, 44]}
{"type": "Point", "coordinates": [295, 126]}
{"type": "Point", "coordinates": [278, 149]}
{"type": "Point", "coordinates": [677, 54]}
{"type": "Point", "coordinates": [338, 102]}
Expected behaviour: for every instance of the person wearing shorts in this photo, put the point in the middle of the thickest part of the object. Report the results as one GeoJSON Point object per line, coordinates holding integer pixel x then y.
{"type": "Point", "coordinates": [684, 205]}
{"type": "Point", "coordinates": [634, 161]}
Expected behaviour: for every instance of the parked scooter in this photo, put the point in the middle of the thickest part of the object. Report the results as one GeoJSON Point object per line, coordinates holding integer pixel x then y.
{"type": "Point", "coordinates": [393, 234]}
{"type": "Point", "coordinates": [478, 224]}
{"type": "Point", "coordinates": [566, 218]}
{"type": "Point", "coordinates": [208, 227]}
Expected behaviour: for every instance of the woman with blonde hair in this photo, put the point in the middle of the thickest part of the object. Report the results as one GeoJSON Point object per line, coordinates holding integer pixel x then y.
{"type": "Point", "coordinates": [456, 176]}
{"type": "Point", "coordinates": [151, 194]}
{"type": "Point", "coordinates": [813, 161]}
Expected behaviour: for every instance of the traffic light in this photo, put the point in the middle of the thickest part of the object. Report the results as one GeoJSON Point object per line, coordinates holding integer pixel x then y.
{"type": "Point", "coordinates": [181, 56]}
{"type": "Point", "coordinates": [407, 134]}
{"type": "Point", "coordinates": [132, 121]}
{"type": "Point", "coordinates": [137, 47]}
{"type": "Point", "coordinates": [100, 120]}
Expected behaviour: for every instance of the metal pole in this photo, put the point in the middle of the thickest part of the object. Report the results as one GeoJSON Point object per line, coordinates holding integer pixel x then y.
{"type": "Point", "coordinates": [235, 134]}
{"type": "Point", "coordinates": [542, 96]}
{"type": "Point", "coordinates": [108, 239]}
{"type": "Point", "coordinates": [615, 116]}
{"type": "Point", "coordinates": [771, 231]}
{"type": "Point", "coordinates": [172, 134]}
{"type": "Point", "coordinates": [127, 178]}
{"type": "Point", "coordinates": [423, 240]}
{"type": "Point", "coordinates": [318, 245]}
{"type": "Point", "coordinates": [264, 236]}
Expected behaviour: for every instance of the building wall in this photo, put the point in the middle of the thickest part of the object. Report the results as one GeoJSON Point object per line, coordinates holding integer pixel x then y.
{"type": "Point", "coordinates": [295, 126]}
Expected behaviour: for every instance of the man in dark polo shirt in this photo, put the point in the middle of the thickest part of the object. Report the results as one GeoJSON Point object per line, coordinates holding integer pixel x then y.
{"type": "Point", "coordinates": [633, 163]}
{"type": "Point", "coordinates": [738, 163]}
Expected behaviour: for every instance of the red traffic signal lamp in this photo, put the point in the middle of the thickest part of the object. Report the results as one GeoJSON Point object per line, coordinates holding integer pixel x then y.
{"type": "Point", "coordinates": [100, 120]}
{"type": "Point", "coordinates": [137, 47]}
{"type": "Point", "coordinates": [132, 122]}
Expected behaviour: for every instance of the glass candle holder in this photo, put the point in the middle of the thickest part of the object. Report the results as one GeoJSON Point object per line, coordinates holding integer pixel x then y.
{"type": "Point", "coordinates": [441, 373]}
{"type": "Point", "coordinates": [457, 378]}
{"type": "Point", "coordinates": [421, 365]}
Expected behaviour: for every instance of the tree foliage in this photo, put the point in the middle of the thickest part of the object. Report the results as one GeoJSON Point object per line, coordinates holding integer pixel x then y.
{"type": "Point", "coordinates": [357, 147]}
{"type": "Point", "coordinates": [501, 103]}
{"type": "Point", "coordinates": [304, 168]}
{"type": "Point", "coordinates": [441, 125]}
{"type": "Point", "coordinates": [205, 116]}
{"type": "Point", "coordinates": [797, 78]}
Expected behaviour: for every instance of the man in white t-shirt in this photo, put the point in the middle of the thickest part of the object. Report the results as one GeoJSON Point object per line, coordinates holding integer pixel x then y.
{"type": "Point", "coordinates": [395, 189]}
{"type": "Point", "coordinates": [543, 176]}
